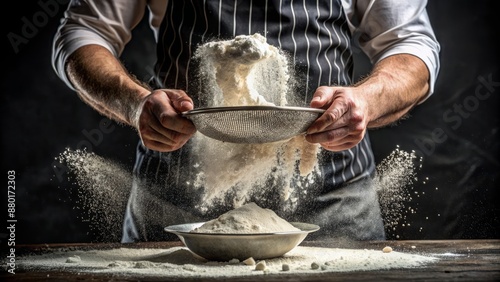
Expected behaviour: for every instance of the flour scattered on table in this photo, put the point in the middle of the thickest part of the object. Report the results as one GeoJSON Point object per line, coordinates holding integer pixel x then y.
{"type": "Point", "coordinates": [178, 262]}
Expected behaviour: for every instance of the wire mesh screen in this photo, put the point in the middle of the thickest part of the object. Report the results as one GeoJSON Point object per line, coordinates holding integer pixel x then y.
{"type": "Point", "coordinates": [253, 124]}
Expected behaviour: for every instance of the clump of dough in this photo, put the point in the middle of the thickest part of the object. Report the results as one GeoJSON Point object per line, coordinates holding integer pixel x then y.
{"type": "Point", "coordinates": [261, 265]}
{"type": "Point", "coordinates": [249, 261]}
{"type": "Point", "coordinates": [247, 219]}
{"type": "Point", "coordinates": [73, 259]}
{"type": "Point", "coordinates": [387, 249]}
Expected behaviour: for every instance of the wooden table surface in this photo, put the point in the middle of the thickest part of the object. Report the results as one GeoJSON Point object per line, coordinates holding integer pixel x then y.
{"type": "Point", "coordinates": [472, 260]}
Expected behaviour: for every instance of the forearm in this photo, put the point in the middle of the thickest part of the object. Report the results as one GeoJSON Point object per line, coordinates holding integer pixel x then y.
{"type": "Point", "coordinates": [103, 83]}
{"type": "Point", "coordinates": [396, 85]}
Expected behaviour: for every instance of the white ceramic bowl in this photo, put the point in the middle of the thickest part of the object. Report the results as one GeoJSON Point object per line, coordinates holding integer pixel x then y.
{"type": "Point", "coordinates": [224, 247]}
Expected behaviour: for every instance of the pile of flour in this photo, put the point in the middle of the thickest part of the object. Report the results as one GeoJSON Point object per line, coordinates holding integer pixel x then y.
{"type": "Point", "coordinates": [247, 71]}
{"type": "Point", "coordinates": [249, 218]}
{"type": "Point", "coordinates": [178, 262]}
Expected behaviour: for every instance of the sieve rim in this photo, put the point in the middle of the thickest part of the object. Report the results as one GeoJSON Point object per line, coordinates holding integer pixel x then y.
{"type": "Point", "coordinates": [250, 108]}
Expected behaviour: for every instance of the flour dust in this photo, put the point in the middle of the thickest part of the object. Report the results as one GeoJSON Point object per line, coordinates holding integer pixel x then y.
{"type": "Point", "coordinates": [396, 175]}
{"type": "Point", "coordinates": [102, 191]}
{"type": "Point", "coordinates": [243, 71]}
{"type": "Point", "coordinates": [103, 187]}
{"type": "Point", "coordinates": [246, 71]}
{"type": "Point", "coordinates": [239, 72]}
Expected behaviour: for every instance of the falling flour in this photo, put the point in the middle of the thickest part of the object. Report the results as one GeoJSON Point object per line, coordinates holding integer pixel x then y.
{"type": "Point", "coordinates": [242, 71]}
{"type": "Point", "coordinates": [396, 175]}
{"type": "Point", "coordinates": [102, 191]}
{"type": "Point", "coordinates": [247, 71]}
{"type": "Point", "coordinates": [178, 262]}
{"type": "Point", "coordinates": [104, 185]}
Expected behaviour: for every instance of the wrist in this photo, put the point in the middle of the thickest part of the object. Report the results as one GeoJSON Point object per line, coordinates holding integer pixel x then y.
{"type": "Point", "coordinates": [135, 109]}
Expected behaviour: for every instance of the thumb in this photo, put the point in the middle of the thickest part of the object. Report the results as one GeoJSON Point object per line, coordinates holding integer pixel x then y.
{"type": "Point", "coordinates": [180, 100]}
{"type": "Point", "coordinates": [320, 97]}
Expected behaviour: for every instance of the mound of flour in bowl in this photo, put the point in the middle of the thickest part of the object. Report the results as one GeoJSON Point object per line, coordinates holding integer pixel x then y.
{"type": "Point", "coordinates": [249, 218]}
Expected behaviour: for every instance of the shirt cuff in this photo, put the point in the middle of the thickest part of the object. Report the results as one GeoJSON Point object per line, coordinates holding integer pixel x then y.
{"type": "Point", "coordinates": [63, 48]}
{"type": "Point", "coordinates": [430, 59]}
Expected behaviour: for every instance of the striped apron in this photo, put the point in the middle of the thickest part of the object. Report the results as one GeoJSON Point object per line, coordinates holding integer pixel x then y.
{"type": "Point", "coordinates": [342, 201]}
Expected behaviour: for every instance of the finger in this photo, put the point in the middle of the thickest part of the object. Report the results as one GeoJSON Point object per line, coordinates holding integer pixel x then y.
{"type": "Point", "coordinates": [328, 135]}
{"type": "Point", "coordinates": [349, 133]}
{"type": "Point", "coordinates": [157, 132]}
{"type": "Point", "coordinates": [338, 147]}
{"type": "Point", "coordinates": [166, 140]}
{"type": "Point", "coordinates": [329, 117]}
{"type": "Point", "coordinates": [175, 123]}
{"type": "Point", "coordinates": [321, 97]}
{"type": "Point", "coordinates": [169, 118]}
{"type": "Point", "coordinates": [180, 100]}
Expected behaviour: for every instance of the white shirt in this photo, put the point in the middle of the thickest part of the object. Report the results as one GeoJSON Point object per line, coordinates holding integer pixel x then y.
{"type": "Point", "coordinates": [381, 27]}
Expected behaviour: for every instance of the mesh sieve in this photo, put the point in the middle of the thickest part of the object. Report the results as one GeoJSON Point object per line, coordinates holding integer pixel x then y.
{"type": "Point", "coordinates": [252, 124]}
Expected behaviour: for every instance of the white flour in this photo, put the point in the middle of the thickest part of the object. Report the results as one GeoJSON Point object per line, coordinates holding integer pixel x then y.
{"type": "Point", "coordinates": [102, 192]}
{"type": "Point", "coordinates": [241, 72]}
{"type": "Point", "coordinates": [394, 184]}
{"type": "Point", "coordinates": [178, 262]}
{"type": "Point", "coordinates": [249, 218]}
{"type": "Point", "coordinates": [104, 185]}
{"type": "Point", "coordinates": [259, 73]}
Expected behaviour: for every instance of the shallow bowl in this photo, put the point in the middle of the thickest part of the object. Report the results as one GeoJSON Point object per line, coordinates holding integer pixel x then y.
{"type": "Point", "coordinates": [224, 247]}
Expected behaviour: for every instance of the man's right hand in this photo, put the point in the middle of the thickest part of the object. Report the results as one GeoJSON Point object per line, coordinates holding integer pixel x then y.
{"type": "Point", "coordinates": [159, 123]}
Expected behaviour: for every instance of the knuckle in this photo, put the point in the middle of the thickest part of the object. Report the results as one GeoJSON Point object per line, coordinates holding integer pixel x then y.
{"type": "Point", "coordinates": [332, 135]}
{"type": "Point", "coordinates": [331, 116]}
{"type": "Point", "coordinates": [164, 119]}
{"type": "Point", "coordinates": [358, 128]}
{"type": "Point", "coordinates": [356, 117]}
{"type": "Point", "coordinates": [146, 132]}
{"type": "Point", "coordinates": [322, 90]}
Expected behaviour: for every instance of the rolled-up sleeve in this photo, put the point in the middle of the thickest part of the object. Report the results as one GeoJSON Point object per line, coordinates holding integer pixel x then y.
{"type": "Point", "coordinates": [387, 27]}
{"type": "Point", "coordinates": [107, 23]}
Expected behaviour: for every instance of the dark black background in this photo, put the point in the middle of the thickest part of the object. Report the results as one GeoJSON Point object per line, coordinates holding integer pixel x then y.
{"type": "Point", "coordinates": [41, 117]}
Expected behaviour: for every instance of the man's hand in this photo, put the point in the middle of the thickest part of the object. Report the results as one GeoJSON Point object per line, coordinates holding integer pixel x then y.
{"type": "Point", "coordinates": [395, 86]}
{"type": "Point", "coordinates": [102, 82]}
{"type": "Point", "coordinates": [159, 123]}
{"type": "Point", "coordinates": [345, 121]}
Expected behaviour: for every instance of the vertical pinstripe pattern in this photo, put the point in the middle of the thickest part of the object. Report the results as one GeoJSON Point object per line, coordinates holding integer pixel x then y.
{"type": "Point", "coordinates": [308, 63]}
{"type": "Point", "coordinates": [293, 33]}
{"type": "Point", "coordinates": [234, 17]}
{"type": "Point", "coordinates": [250, 18]}
{"type": "Point", "coordinates": [314, 32]}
